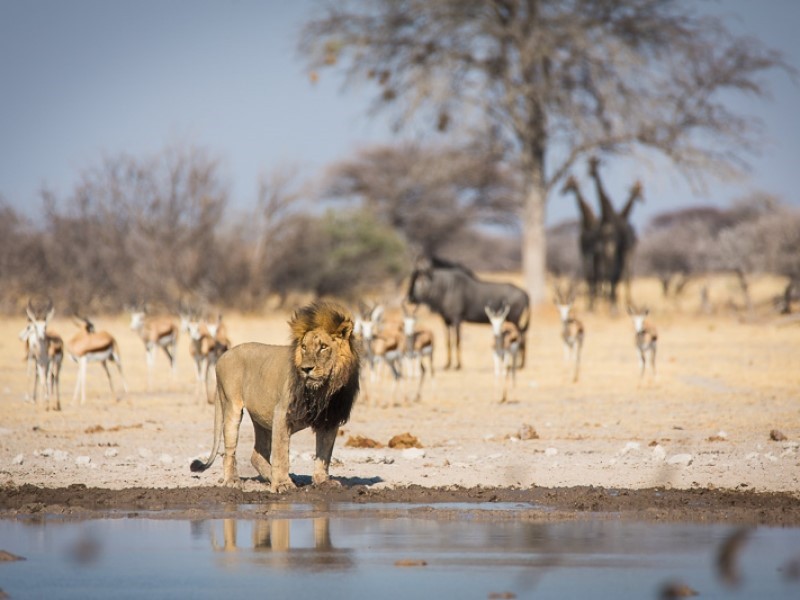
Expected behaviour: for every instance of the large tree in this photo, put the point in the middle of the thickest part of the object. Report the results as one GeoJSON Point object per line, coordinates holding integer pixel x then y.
{"type": "Point", "coordinates": [557, 80]}
{"type": "Point", "coordinates": [431, 194]}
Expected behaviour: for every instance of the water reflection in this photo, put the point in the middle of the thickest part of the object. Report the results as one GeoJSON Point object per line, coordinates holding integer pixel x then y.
{"type": "Point", "coordinates": [278, 543]}
{"type": "Point", "coordinates": [363, 556]}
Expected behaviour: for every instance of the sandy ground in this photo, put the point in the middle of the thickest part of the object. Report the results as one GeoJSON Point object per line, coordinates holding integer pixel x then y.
{"type": "Point", "coordinates": [704, 423]}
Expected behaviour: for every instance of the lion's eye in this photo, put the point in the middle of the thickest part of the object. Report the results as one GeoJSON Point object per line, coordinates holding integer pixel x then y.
{"type": "Point", "coordinates": [323, 347]}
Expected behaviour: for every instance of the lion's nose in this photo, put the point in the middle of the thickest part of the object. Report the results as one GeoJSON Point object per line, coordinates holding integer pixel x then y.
{"type": "Point", "coordinates": [307, 370]}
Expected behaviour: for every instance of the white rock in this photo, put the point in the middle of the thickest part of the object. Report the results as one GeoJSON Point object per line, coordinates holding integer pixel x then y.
{"type": "Point", "coordinates": [680, 459]}
{"type": "Point", "coordinates": [60, 455]}
{"type": "Point", "coordinates": [166, 459]}
{"type": "Point", "coordinates": [659, 453]}
{"type": "Point", "coordinates": [17, 460]}
{"type": "Point", "coordinates": [551, 452]}
{"type": "Point", "coordinates": [110, 452]}
{"type": "Point", "coordinates": [751, 456]}
{"type": "Point", "coordinates": [46, 452]}
{"type": "Point", "coordinates": [771, 457]}
{"type": "Point", "coordinates": [630, 447]}
{"type": "Point", "coordinates": [722, 434]}
{"type": "Point", "coordinates": [413, 453]}
{"type": "Point", "coordinates": [83, 460]}
{"type": "Point", "coordinates": [145, 453]}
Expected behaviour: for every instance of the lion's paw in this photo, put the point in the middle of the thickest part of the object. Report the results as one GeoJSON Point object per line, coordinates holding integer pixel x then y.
{"type": "Point", "coordinates": [328, 483]}
{"type": "Point", "coordinates": [278, 487]}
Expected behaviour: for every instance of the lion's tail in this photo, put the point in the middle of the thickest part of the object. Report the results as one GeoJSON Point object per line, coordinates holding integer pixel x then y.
{"type": "Point", "coordinates": [198, 466]}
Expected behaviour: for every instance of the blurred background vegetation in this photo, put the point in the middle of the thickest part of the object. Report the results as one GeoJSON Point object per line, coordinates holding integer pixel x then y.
{"type": "Point", "coordinates": [158, 229]}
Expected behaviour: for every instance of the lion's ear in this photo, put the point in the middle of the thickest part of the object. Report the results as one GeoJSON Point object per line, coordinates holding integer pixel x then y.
{"type": "Point", "coordinates": [344, 330]}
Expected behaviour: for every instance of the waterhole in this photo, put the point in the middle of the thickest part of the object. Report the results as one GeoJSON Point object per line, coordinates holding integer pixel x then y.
{"type": "Point", "coordinates": [359, 552]}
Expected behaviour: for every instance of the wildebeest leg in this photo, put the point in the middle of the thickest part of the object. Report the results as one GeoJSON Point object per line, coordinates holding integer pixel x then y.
{"type": "Point", "coordinates": [325, 440]}
{"type": "Point", "coordinates": [261, 451]}
{"type": "Point", "coordinates": [457, 327]}
{"type": "Point", "coordinates": [448, 342]}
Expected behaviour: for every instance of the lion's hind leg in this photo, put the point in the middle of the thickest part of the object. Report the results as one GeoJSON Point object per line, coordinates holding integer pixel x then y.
{"type": "Point", "coordinates": [261, 451]}
{"type": "Point", "coordinates": [232, 418]}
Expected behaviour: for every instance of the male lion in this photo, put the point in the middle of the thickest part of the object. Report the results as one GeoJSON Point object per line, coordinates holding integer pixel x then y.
{"type": "Point", "coordinates": [311, 383]}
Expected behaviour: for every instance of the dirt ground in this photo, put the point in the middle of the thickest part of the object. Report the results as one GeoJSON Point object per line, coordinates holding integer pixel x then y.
{"type": "Point", "coordinates": [714, 436]}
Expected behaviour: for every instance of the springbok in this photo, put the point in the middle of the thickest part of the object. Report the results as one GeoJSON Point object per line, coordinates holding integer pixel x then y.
{"type": "Point", "coordinates": [382, 345]}
{"type": "Point", "coordinates": [507, 343]}
{"type": "Point", "coordinates": [155, 332]}
{"type": "Point", "coordinates": [48, 353]}
{"type": "Point", "coordinates": [89, 345]}
{"type": "Point", "coordinates": [219, 331]}
{"type": "Point", "coordinates": [646, 338]}
{"type": "Point", "coordinates": [572, 331]}
{"type": "Point", "coordinates": [417, 344]}
{"type": "Point", "coordinates": [205, 350]}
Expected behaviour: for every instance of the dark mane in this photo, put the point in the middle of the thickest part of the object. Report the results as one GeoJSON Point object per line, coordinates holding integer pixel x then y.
{"type": "Point", "coordinates": [321, 408]}
{"type": "Point", "coordinates": [331, 404]}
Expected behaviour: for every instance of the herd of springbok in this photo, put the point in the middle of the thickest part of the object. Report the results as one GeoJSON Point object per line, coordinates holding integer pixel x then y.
{"type": "Point", "coordinates": [394, 347]}
{"type": "Point", "coordinates": [44, 349]}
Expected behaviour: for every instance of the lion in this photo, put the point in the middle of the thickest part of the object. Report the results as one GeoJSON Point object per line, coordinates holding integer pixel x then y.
{"type": "Point", "coordinates": [313, 383]}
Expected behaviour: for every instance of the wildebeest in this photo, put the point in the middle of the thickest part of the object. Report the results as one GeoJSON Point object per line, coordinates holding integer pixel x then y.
{"type": "Point", "coordinates": [455, 293]}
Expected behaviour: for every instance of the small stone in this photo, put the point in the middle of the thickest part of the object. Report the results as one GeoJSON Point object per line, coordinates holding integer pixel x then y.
{"type": "Point", "coordinates": [527, 432]}
{"type": "Point", "coordinates": [83, 460]}
{"type": "Point", "coordinates": [413, 453]}
{"type": "Point", "coordinates": [145, 453]}
{"type": "Point", "coordinates": [680, 459]}
{"type": "Point", "coordinates": [166, 459]}
{"type": "Point", "coordinates": [551, 452]}
{"type": "Point", "coordinates": [659, 453]}
{"type": "Point", "coordinates": [60, 455]}
{"type": "Point", "coordinates": [777, 436]}
{"type": "Point", "coordinates": [111, 453]}
{"type": "Point", "coordinates": [17, 460]}
{"type": "Point", "coordinates": [630, 447]}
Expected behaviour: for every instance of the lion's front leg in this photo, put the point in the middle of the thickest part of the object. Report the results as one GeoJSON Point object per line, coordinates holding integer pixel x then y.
{"type": "Point", "coordinates": [280, 480]}
{"type": "Point", "coordinates": [261, 451]}
{"type": "Point", "coordinates": [325, 441]}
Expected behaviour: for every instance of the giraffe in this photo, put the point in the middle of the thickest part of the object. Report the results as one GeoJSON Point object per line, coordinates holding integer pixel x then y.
{"type": "Point", "coordinates": [588, 240]}
{"type": "Point", "coordinates": [617, 238]}
{"type": "Point", "coordinates": [627, 239]}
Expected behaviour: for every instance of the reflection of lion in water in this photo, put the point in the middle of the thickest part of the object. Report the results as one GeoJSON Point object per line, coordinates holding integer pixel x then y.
{"type": "Point", "coordinates": [312, 383]}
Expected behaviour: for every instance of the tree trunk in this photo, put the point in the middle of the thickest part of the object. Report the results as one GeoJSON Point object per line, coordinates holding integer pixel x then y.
{"type": "Point", "coordinates": [534, 244]}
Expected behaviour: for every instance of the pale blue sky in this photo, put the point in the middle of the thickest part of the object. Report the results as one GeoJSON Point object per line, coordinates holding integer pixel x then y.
{"type": "Point", "coordinates": [83, 78]}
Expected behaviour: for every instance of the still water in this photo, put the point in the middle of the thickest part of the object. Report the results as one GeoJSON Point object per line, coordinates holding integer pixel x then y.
{"type": "Point", "coordinates": [345, 554]}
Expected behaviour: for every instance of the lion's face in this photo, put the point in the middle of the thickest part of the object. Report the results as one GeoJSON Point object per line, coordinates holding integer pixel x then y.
{"type": "Point", "coordinates": [317, 355]}
{"type": "Point", "coordinates": [323, 347]}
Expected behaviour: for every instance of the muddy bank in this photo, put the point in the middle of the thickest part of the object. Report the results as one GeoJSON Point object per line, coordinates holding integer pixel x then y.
{"type": "Point", "coordinates": [654, 504]}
